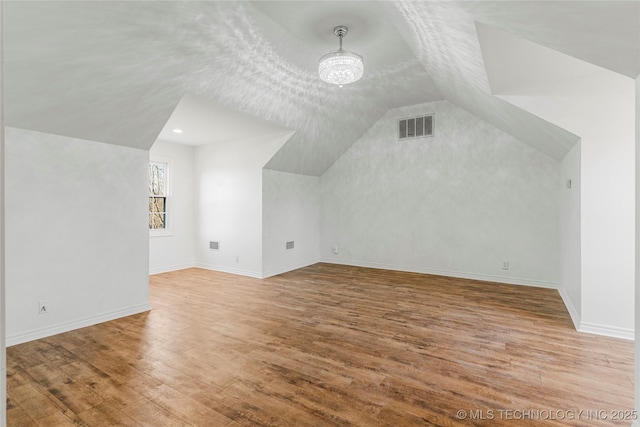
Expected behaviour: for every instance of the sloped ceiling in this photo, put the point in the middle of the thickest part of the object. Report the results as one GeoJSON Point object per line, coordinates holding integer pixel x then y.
{"type": "Point", "coordinates": [202, 122]}
{"type": "Point", "coordinates": [443, 36]}
{"type": "Point", "coordinates": [115, 71]}
{"type": "Point", "coordinates": [516, 64]}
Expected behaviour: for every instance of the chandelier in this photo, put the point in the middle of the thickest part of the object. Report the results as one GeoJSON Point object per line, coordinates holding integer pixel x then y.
{"type": "Point", "coordinates": [340, 67]}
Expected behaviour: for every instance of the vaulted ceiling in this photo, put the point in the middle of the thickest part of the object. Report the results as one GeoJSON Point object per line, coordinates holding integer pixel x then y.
{"type": "Point", "coordinates": [115, 72]}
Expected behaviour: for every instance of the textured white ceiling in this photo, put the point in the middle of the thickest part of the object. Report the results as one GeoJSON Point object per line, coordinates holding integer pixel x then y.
{"type": "Point", "coordinates": [604, 33]}
{"type": "Point", "coordinates": [513, 63]}
{"type": "Point", "coordinates": [443, 35]}
{"type": "Point", "coordinates": [309, 32]}
{"type": "Point", "coordinates": [203, 122]}
{"type": "Point", "coordinates": [115, 71]}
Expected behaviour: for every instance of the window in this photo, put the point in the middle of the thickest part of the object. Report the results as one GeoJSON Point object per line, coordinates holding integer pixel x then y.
{"type": "Point", "coordinates": [158, 192]}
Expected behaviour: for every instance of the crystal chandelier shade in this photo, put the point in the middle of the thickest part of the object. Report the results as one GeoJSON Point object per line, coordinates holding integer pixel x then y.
{"type": "Point", "coordinates": [340, 67]}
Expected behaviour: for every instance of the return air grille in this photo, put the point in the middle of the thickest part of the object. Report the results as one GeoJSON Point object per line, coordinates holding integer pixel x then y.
{"type": "Point", "coordinates": [415, 127]}
{"type": "Point", "coordinates": [214, 246]}
{"type": "Point", "coordinates": [290, 245]}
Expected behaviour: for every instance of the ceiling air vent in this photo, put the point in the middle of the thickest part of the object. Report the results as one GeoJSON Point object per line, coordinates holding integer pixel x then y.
{"type": "Point", "coordinates": [415, 127]}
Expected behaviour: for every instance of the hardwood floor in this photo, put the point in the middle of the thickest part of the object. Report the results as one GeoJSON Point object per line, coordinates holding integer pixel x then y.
{"type": "Point", "coordinates": [326, 345]}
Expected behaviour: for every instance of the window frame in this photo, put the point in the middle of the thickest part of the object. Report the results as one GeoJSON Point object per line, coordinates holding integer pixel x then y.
{"type": "Point", "coordinates": [166, 231]}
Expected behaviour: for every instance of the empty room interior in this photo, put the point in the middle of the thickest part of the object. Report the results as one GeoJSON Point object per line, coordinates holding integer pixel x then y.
{"type": "Point", "coordinates": [310, 213]}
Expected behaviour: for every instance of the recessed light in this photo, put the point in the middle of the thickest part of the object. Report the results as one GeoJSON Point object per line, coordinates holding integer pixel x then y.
{"type": "Point", "coordinates": [177, 131]}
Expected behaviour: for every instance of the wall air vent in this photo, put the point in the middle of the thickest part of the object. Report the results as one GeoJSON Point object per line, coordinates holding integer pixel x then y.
{"type": "Point", "coordinates": [290, 245]}
{"type": "Point", "coordinates": [415, 127]}
{"type": "Point", "coordinates": [214, 246]}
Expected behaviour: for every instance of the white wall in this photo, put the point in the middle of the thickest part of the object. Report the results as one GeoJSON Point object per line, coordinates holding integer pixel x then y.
{"type": "Point", "coordinates": [600, 109]}
{"type": "Point", "coordinates": [229, 202]}
{"type": "Point", "coordinates": [290, 212]}
{"type": "Point", "coordinates": [636, 423]}
{"type": "Point", "coordinates": [76, 233]}
{"type": "Point", "coordinates": [3, 353]}
{"type": "Point", "coordinates": [570, 242]}
{"type": "Point", "coordinates": [175, 249]}
{"type": "Point", "coordinates": [460, 203]}
{"type": "Point", "coordinates": [598, 106]}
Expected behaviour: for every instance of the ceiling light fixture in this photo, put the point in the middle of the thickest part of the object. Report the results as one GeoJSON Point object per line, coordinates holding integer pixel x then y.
{"type": "Point", "coordinates": [340, 67]}
{"type": "Point", "coordinates": [177, 131]}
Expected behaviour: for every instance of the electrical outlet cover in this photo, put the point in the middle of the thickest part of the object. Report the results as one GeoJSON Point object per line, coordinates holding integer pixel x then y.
{"type": "Point", "coordinates": [43, 307]}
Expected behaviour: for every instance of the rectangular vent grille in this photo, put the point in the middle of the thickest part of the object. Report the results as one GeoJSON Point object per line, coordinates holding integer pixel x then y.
{"type": "Point", "coordinates": [214, 246]}
{"type": "Point", "coordinates": [290, 245]}
{"type": "Point", "coordinates": [415, 127]}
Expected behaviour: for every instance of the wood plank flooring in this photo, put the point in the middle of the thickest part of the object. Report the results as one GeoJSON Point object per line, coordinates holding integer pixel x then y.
{"type": "Point", "coordinates": [326, 345]}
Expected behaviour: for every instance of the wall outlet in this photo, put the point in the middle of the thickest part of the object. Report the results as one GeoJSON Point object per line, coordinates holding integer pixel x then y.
{"type": "Point", "coordinates": [237, 258]}
{"type": "Point", "coordinates": [43, 307]}
{"type": "Point", "coordinates": [505, 265]}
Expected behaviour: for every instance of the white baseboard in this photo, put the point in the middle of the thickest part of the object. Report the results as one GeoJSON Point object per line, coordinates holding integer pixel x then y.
{"type": "Point", "coordinates": [238, 271]}
{"type": "Point", "coordinates": [276, 271]}
{"type": "Point", "coordinates": [606, 330]}
{"type": "Point", "coordinates": [448, 273]}
{"type": "Point", "coordinates": [593, 328]}
{"type": "Point", "coordinates": [575, 316]}
{"type": "Point", "coordinates": [35, 334]}
{"type": "Point", "coordinates": [241, 272]}
{"type": "Point", "coordinates": [170, 268]}
{"type": "Point", "coordinates": [586, 327]}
